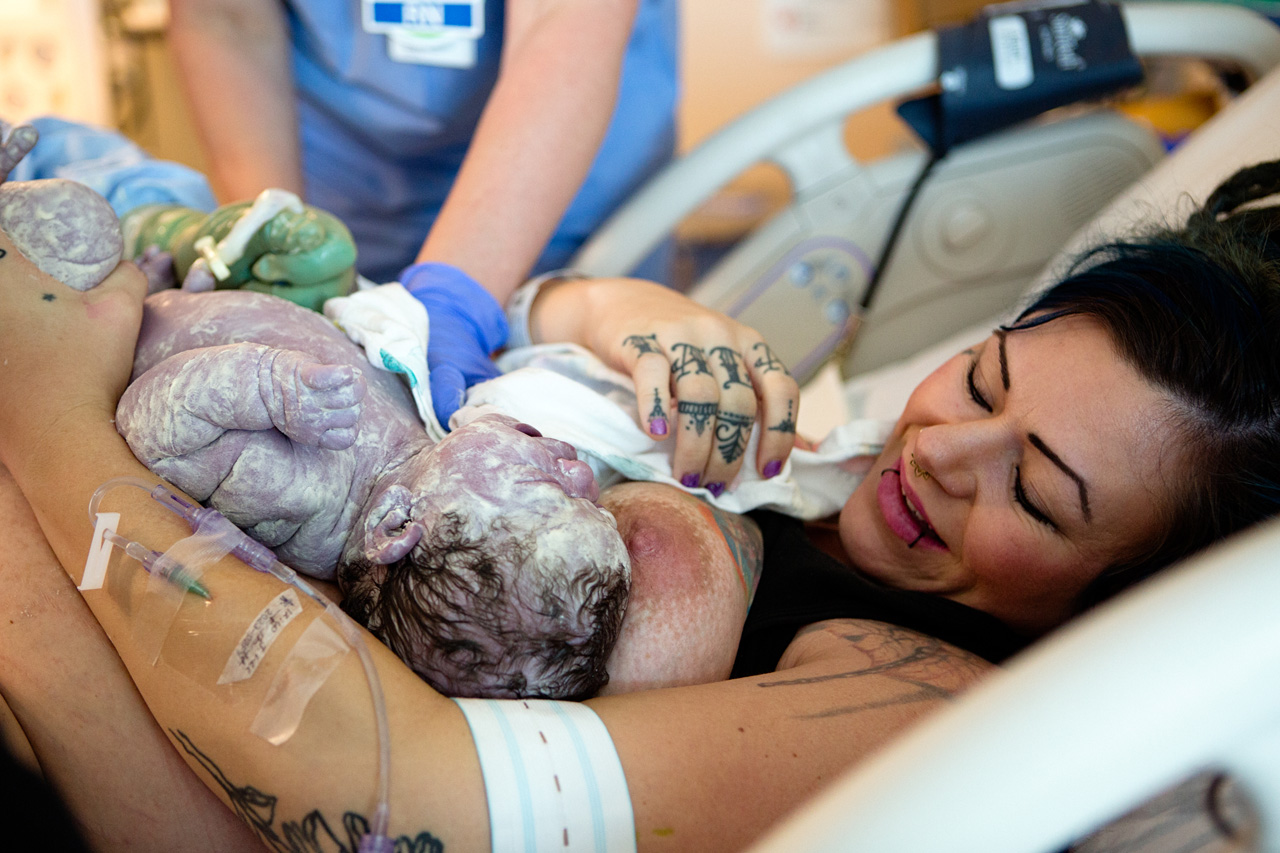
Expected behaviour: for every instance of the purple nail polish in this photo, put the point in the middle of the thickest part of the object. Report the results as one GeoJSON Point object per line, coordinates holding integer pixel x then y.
{"type": "Point", "coordinates": [658, 426]}
{"type": "Point", "coordinates": [716, 489]}
{"type": "Point", "coordinates": [690, 481]}
{"type": "Point", "coordinates": [772, 469]}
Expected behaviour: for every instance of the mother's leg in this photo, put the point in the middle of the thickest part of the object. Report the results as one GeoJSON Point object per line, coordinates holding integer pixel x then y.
{"type": "Point", "coordinates": [95, 740]}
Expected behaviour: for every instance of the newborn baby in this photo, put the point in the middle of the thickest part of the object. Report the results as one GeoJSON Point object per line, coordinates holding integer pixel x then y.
{"type": "Point", "coordinates": [482, 561]}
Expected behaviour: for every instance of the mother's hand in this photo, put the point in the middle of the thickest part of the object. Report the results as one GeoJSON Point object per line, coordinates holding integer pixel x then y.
{"type": "Point", "coordinates": [698, 374]}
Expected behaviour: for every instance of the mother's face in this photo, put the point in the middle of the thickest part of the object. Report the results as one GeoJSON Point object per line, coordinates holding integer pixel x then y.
{"type": "Point", "coordinates": [1019, 470]}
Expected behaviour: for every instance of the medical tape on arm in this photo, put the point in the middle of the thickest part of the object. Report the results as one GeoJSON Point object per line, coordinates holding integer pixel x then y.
{"type": "Point", "coordinates": [304, 670]}
{"type": "Point", "coordinates": [552, 777]}
{"type": "Point", "coordinates": [159, 607]}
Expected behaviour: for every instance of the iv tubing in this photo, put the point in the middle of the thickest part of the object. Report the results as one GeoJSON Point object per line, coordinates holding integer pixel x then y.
{"type": "Point", "coordinates": [261, 558]}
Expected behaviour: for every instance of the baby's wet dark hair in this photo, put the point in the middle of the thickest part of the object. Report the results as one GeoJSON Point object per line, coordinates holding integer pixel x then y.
{"type": "Point", "coordinates": [487, 616]}
{"type": "Point", "coordinates": [1196, 311]}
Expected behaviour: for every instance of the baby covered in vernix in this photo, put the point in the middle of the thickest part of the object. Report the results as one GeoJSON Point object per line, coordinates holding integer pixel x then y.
{"type": "Point", "coordinates": [483, 561]}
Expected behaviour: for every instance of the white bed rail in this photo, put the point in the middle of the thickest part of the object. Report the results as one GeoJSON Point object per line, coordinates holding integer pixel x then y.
{"type": "Point", "coordinates": [800, 129]}
{"type": "Point", "coordinates": [1176, 676]}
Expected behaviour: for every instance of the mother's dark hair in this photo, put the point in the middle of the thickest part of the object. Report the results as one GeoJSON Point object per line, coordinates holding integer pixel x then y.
{"type": "Point", "coordinates": [1196, 311]}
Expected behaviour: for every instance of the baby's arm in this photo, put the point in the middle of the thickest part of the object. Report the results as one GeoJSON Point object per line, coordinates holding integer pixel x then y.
{"type": "Point", "coordinates": [185, 404]}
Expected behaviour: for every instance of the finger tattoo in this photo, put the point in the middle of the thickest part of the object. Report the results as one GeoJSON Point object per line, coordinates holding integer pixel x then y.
{"type": "Point", "coordinates": [698, 413]}
{"type": "Point", "coordinates": [731, 360]}
{"type": "Point", "coordinates": [657, 411]}
{"type": "Point", "coordinates": [732, 432]}
{"type": "Point", "coordinates": [644, 344]}
{"type": "Point", "coordinates": [768, 362]}
{"type": "Point", "coordinates": [788, 423]}
{"type": "Point", "coordinates": [691, 360]}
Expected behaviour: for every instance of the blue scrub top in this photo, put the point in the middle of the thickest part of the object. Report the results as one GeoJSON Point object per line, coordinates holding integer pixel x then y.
{"type": "Point", "coordinates": [382, 140]}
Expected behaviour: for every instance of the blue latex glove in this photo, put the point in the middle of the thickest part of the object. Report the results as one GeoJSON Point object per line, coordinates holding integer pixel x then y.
{"type": "Point", "coordinates": [467, 325]}
{"type": "Point", "coordinates": [107, 162]}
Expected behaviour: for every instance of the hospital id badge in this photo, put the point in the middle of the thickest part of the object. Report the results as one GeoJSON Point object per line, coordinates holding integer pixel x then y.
{"type": "Point", "coordinates": [430, 48]}
{"type": "Point", "coordinates": [459, 18]}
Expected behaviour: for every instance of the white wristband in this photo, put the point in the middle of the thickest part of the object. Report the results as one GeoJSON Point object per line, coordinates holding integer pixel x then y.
{"type": "Point", "coordinates": [552, 777]}
{"type": "Point", "coordinates": [520, 305]}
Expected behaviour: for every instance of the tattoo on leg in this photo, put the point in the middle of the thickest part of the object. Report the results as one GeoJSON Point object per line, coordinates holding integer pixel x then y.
{"type": "Point", "coordinates": [768, 362]}
{"type": "Point", "coordinates": [788, 423]}
{"type": "Point", "coordinates": [48, 297]}
{"type": "Point", "coordinates": [644, 344]}
{"type": "Point", "coordinates": [691, 360]}
{"type": "Point", "coordinates": [699, 414]}
{"type": "Point", "coordinates": [308, 835]}
{"type": "Point", "coordinates": [732, 432]}
{"type": "Point", "coordinates": [732, 362]}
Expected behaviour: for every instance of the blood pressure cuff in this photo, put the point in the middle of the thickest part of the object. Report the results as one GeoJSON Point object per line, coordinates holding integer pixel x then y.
{"type": "Point", "coordinates": [1017, 60]}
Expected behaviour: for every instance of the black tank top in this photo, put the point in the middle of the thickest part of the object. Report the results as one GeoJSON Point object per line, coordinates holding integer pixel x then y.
{"type": "Point", "coordinates": [800, 585]}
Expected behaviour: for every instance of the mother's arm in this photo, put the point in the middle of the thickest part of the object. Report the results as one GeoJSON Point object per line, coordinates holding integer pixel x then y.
{"type": "Point", "coordinates": [708, 767]}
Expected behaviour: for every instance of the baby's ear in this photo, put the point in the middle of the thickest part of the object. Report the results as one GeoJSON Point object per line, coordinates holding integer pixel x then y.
{"type": "Point", "coordinates": [390, 533]}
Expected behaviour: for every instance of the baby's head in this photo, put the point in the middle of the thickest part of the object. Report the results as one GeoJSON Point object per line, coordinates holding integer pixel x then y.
{"type": "Point", "coordinates": [487, 566]}
{"type": "Point", "coordinates": [66, 229]}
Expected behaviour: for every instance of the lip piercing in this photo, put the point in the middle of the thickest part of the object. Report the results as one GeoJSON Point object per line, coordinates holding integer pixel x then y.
{"type": "Point", "coordinates": [916, 541]}
{"type": "Point", "coordinates": [918, 470]}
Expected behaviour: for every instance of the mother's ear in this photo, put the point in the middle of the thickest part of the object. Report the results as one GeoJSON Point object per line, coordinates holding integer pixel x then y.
{"type": "Point", "coordinates": [390, 533]}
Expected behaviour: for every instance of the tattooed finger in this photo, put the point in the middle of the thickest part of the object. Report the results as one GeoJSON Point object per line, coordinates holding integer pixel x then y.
{"type": "Point", "coordinates": [732, 432]}
{"type": "Point", "coordinates": [766, 361]}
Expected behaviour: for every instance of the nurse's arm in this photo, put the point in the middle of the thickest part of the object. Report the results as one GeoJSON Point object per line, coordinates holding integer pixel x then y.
{"type": "Point", "coordinates": [537, 137]}
{"type": "Point", "coordinates": [233, 59]}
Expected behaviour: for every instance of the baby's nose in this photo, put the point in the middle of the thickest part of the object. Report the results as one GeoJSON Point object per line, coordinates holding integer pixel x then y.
{"type": "Point", "coordinates": [580, 481]}
{"type": "Point", "coordinates": [64, 228]}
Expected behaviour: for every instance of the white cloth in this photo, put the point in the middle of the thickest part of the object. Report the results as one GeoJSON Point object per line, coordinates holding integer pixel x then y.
{"type": "Point", "coordinates": [393, 329]}
{"type": "Point", "coordinates": [567, 393]}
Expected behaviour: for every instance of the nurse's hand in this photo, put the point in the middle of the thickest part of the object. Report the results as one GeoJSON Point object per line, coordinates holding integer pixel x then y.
{"type": "Point", "coordinates": [304, 256]}
{"type": "Point", "coordinates": [700, 376]}
{"type": "Point", "coordinates": [466, 326]}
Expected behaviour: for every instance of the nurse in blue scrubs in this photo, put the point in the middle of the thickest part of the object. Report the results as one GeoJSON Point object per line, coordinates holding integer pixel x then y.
{"type": "Point", "coordinates": [483, 139]}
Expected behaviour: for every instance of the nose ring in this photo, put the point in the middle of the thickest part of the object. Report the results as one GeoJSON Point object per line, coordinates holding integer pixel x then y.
{"type": "Point", "coordinates": [918, 470]}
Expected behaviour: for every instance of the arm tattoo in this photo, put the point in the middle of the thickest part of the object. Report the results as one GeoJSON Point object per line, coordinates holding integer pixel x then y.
{"type": "Point", "coordinates": [644, 344]}
{"type": "Point", "coordinates": [746, 545]}
{"type": "Point", "coordinates": [699, 414]}
{"type": "Point", "coordinates": [732, 432]}
{"type": "Point", "coordinates": [692, 360]}
{"type": "Point", "coordinates": [787, 424]}
{"type": "Point", "coordinates": [927, 667]}
{"type": "Point", "coordinates": [768, 362]}
{"type": "Point", "coordinates": [732, 363]}
{"type": "Point", "coordinates": [311, 833]}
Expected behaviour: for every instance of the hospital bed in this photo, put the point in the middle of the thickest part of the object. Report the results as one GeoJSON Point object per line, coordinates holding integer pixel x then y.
{"type": "Point", "coordinates": [1174, 678]}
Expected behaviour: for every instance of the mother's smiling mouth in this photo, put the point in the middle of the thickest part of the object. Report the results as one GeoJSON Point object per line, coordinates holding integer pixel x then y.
{"type": "Point", "coordinates": [902, 513]}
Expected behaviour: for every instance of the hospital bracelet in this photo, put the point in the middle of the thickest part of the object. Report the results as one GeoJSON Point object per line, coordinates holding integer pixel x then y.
{"type": "Point", "coordinates": [520, 305]}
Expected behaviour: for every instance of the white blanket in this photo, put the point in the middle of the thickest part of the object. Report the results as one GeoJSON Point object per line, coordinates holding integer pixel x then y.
{"type": "Point", "coordinates": [566, 392]}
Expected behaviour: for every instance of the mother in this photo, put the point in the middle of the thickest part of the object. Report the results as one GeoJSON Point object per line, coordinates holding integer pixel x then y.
{"type": "Point", "coordinates": [1128, 417]}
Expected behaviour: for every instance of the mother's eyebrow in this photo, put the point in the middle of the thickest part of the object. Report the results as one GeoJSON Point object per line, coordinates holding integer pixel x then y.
{"type": "Point", "coordinates": [1038, 443]}
{"type": "Point", "coordinates": [1001, 334]}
